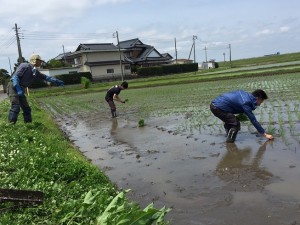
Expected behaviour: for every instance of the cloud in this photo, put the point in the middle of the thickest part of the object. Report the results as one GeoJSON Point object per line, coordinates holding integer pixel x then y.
{"type": "Point", "coordinates": [284, 29]}
{"type": "Point", "coordinates": [264, 32]}
{"type": "Point", "coordinates": [103, 2]}
{"type": "Point", "coordinates": [48, 10]}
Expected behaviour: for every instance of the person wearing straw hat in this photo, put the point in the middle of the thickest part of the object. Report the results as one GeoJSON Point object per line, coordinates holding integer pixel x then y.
{"type": "Point", "coordinates": [22, 78]}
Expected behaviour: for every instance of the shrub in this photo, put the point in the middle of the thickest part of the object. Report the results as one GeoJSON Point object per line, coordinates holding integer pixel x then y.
{"type": "Point", "coordinates": [85, 82]}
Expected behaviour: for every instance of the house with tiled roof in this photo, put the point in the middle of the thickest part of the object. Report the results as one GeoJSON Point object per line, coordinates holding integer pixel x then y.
{"type": "Point", "coordinates": [103, 60]}
{"type": "Point", "coordinates": [108, 61]}
{"type": "Point", "coordinates": [142, 54]}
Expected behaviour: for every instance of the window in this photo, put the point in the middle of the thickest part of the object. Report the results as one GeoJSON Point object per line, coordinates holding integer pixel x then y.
{"type": "Point", "coordinates": [110, 70]}
{"type": "Point", "coordinates": [77, 61]}
{"type": "Point", "coordinates": [127, 67]}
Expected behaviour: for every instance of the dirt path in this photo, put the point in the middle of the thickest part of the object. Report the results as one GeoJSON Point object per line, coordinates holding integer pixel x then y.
{"type": "Point", "coordinates": [3, 96]}
{"type": "Point", "coordinates": [205, 180]}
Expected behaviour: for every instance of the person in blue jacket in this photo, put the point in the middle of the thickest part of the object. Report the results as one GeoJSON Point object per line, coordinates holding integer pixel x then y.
{"type": "Point", "coordinates": [23, 77]}
{"type": "Point", "coordinates": [226, 105]}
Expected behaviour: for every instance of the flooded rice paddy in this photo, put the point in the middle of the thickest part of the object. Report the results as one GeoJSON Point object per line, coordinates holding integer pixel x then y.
{"type": "Point", "coordinates": [179, 159]}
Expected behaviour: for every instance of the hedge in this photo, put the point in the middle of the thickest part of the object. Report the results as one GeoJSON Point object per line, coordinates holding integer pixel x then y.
{"type": "Point", "coordinates": [167, 69]}
{"type": "Point", "coordinates": [74, 78]}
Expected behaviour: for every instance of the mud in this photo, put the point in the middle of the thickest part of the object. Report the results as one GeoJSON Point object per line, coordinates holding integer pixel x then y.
{"type": "Point", "coordinates": [203, 179]}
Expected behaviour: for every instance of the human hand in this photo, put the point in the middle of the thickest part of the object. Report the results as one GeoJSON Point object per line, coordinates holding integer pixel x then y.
{"type": "Point", "coordinates": [59, 82]}
{"type": "Point", "coordinates": [268, 136]}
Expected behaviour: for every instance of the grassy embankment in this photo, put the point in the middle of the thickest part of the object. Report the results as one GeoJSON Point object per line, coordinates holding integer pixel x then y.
{"type": "Point", "coordinates": [37, 157]}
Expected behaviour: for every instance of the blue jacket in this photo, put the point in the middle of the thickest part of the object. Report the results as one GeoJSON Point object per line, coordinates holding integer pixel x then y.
{"type": "Point", "coordinates": [26, 74]}
{"type": "Point", "coordinates": [239, 102]}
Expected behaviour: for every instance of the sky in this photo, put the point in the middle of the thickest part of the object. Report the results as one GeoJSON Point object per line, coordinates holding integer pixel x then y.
{"type": "Point", "coordinates": [220, 28]}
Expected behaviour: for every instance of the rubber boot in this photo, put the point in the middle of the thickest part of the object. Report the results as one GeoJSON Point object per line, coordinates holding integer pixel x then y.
{"type": "Point", "coordinates": [114, 114]}
{"type": "Point", "coordinates": [227, 128]}
{"type": "Point", "coordinates": [231, 136]}
{"type": "Point", "coordinates": [27, 115]}
{"type": "Point", "coordinates": [13, 114]}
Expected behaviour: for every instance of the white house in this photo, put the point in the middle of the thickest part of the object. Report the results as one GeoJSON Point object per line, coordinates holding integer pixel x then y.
{"type": "Point", "coordinates": [103, 61]}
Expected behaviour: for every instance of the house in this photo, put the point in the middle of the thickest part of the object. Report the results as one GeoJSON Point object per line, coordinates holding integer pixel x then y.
{"type": "Point", "coordinates": [138, 53]}
{"type": "Point", "coordinates": [182, 61]}
{"type": "Point", "coordinates": [108, 61]}
{"type": "Point", "coordinates": [207, 65]}
{"type": "Point", "coordinates": [58, 71]}
{"type": "Point", "coordinates": [64, 57]}
{"type": "Point", "coordinates": [103, 61]}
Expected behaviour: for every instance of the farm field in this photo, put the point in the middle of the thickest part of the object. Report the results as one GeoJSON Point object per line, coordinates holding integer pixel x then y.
{"type": "Point", "coordinates": [180, 159]}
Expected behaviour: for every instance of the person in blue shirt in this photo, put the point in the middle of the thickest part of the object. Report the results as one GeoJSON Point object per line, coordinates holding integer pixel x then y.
{"type": "Point", "coordinates": [23, 77]}
{"type": "Point", "coordinates": [113, 94]}
{"type": "Point", "coordinates": [226, 105]}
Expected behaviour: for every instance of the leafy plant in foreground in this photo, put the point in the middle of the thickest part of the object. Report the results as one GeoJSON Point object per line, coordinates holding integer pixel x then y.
{"type": "Point", "coordinates": [120, 211]}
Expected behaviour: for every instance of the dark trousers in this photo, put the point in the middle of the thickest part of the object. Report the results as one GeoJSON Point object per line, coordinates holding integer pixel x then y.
{"type": "Point", "coordinates": [229, 119]}
{"type": "Point", "coordinates": [112, 106]}
{"type": "Point", "coordinates": [18, 102]}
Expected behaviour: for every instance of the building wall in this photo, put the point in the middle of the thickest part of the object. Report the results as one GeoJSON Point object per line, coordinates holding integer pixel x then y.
{"type": "Point", "coordinates": [101, 56]}
{"type": "Point", "coordinates": [99, 72]}
{"type": "Point", "coordinates": [59, 71]}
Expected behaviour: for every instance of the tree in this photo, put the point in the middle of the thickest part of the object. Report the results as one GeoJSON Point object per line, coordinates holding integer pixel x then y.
{"type": "Point", "coordinates": [3, 75]}
{"type": "Point", "coordinates": [4, 78]}
{"type": "Point", "coordinates": [54, 64]}
{"type": "Point", "coordinates": [18, 63]}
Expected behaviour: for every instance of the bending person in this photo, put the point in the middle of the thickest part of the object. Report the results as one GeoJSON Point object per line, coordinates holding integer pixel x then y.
{"type": "Point", "coordinates": [226, 105]}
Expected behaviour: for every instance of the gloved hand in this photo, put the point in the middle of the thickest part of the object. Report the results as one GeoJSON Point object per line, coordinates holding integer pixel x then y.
{"type": "Point", "coordinates": [19, 90]}
{"type": "Point", "coordinates": [59, 82]}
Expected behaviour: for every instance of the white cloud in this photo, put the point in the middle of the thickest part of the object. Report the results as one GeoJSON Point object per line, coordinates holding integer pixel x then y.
{"type": "Point", "coordinates": [284, 29]}
{"type": "Point", "coordinates": [264, 32]}
{"type": "Point", "coordinates": [102, 2]}
{"type": "Point", "coordinates": [249, 30]}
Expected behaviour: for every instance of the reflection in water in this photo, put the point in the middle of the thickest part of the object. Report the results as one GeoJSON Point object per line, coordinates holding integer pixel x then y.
{"type": "Point", "coordinates": [114, 125]}
{"type": "Point", "coordinates": [240, 170]}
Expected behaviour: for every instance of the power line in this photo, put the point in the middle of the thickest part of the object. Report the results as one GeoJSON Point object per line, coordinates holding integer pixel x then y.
{"type": "Point", "coordinates": [5, 41]}
{"type": "Point", "coordinates": [63, 36]}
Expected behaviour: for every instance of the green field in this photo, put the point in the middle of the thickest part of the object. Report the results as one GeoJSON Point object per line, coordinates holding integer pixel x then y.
{"type": "Point", "coordinates": [280, 109]}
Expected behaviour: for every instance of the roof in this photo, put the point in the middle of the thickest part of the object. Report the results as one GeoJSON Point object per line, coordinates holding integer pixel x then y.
{"type": "Point", "coordinates": [145, 54]}
{"type": "Point", "coordinates": [97, 47]}
{"type": "Point", "coordinates": [132, 43]}
{"type": "Point", "coordinates": [62, 56]}
{"type": "Point", "coordinates": [167, 55]}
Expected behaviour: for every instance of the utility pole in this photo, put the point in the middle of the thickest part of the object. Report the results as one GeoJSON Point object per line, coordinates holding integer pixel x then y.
{"type": "Point", "coordinates": [194, 38]}
{"type": "Point", "coordinates": [230, 54]}
{"type": "Point", "coordinates": [205, 49]}
{"type": "Point", "coordinates": [19, 44]}
{"type": "Point", "coordinates": [9, 66]}
{"type": "Point", "coordinates": [119, 54]}
{"type": "Point", "coordinates": [175, 52]}
{"type": "Point", "coordinates": [224, 56]}
{"type": "Point", "coordinates": [64, 54]}
{"type": "Point", "coordinates": [191, 51]}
